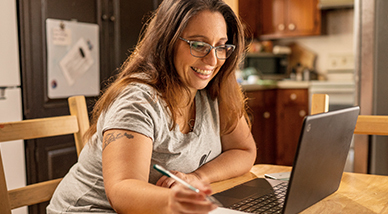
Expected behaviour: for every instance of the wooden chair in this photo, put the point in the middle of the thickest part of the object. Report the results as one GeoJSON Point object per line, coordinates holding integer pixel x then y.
{"type": "Point", "coordinates": [319, 103]}
{"type": "Point", "coordinates": [366, 124]}
{"type": "Point", "coordinates": [76, 123]}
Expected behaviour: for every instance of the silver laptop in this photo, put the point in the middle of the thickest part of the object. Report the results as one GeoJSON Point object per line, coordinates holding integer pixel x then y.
{"type": "Point", "coordinates": [319, 162]}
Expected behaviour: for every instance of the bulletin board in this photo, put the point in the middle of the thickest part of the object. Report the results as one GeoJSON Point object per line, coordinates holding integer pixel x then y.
{"type": "Point", "coordinates": [73, 60]}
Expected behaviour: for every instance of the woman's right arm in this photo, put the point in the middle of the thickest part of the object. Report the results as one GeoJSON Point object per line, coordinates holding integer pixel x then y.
{"type": "Point", "coordinates": [126, 159]}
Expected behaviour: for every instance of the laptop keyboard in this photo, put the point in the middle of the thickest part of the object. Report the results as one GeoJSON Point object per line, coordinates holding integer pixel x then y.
{"type": "Point", "coordinates": [270, 203]}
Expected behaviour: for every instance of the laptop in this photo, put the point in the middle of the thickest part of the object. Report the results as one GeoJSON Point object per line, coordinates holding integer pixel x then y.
{"type": "Point", "coordinates": [317, 170]}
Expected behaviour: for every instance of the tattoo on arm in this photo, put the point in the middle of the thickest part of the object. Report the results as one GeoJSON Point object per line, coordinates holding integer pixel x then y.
{"type": "Point", "coordinates": [109, 138]}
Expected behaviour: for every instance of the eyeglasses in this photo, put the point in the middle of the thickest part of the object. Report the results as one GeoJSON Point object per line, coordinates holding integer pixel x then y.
{"type": "Point", "coordinates": [201, 49]}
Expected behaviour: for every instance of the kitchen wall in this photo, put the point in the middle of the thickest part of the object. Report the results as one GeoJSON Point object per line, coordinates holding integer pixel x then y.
{"type": "Point", "coordinates": [337, 41]}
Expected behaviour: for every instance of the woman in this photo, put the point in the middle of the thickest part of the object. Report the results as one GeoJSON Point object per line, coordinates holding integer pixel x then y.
{"type": "Point", "coordinates": [176, 103]}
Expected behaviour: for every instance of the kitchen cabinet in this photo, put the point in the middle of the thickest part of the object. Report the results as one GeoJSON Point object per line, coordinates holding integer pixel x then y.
{"type": "Point", "coordinates": [248, 11]}
{"type": "Point", "coordinates": [262, 104]}
{"type": "Point", "coordinates": [292, 107]}
{"type": "Point", "coordinates": [277, 116]}
{"type": "Point", "coordinates": [276, 19]}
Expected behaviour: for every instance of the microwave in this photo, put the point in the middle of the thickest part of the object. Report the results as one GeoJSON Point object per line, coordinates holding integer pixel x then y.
{"type": "Point", "coordinates": [269, 65]}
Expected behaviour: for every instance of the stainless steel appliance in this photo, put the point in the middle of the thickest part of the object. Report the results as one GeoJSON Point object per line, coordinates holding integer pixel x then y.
{"type": "Point", "coordinates": [372, 49]}
{"type": "Point", "coordinates": [12, 153]}
{"type": "Point", "coordinates": [335, 4]}
{"type": "Point", "coordinates": [268, 65]}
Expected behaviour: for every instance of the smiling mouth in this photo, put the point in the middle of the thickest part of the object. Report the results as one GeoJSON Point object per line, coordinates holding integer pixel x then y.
{"type": "Point", "coordinates": [203, 72]}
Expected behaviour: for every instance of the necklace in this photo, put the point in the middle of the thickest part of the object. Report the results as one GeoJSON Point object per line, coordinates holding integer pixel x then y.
{"type": "Point", "coordinates": [191, 121]}
{"type": "Point", "coordinates": [191, 124]}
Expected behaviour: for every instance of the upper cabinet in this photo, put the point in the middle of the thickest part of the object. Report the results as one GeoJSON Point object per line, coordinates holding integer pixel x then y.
{"type": "Point", "coordinates": [274, 19]}
{"type": "Point", "coordinates": [233, 4]}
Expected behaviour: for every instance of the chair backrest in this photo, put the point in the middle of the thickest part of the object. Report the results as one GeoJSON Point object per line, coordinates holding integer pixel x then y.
{"type": "Point", "coordinates": [76, 123]}
{"type": "Point", "coordinates": [319, 103]}
{"type": "Point", "coordinates": [366, 124]}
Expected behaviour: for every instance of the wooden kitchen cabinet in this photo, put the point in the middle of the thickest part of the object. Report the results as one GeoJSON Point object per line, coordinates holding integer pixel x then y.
{"type": "Point", "coordinates": [262, 104]}
{"type": "Point", "coordinates": [292, 107]}
{"type": "Point", "coordinates": [250, 17]}
{"type": "Point", "coordinates": [277, 116]}
{"type": "Point", "coordinates": [274, 19]}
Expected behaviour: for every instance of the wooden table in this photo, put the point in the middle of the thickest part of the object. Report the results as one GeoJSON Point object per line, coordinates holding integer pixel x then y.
{"type": "Point", "coordinates": [358, 193]}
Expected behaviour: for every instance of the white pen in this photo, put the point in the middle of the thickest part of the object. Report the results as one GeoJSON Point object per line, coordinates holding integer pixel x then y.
{"type": "Point", "coordinates": [184, 183]}
{"type": "Point", "coordinates": [176, 178]}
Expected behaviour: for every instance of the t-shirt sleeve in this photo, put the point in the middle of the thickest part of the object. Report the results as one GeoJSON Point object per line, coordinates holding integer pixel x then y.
{"type": "Point", "coordinates": [135, 109]}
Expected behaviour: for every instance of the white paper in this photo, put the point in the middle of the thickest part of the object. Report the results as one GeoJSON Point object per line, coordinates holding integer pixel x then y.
{"type": "Point", "coordinates": [76, 62]}
{"type": "Point", "coordinates": [221, 210]}
{"type": "Point", "coordinates": [61, 36]}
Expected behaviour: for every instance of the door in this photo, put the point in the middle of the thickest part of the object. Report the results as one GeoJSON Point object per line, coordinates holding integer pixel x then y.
{"type": "Point", "coordinates": [262, 107]}
{"type": "Point", "coordinates": [292, 107]}
{"type": "Point", "coordinates": [119, 26]}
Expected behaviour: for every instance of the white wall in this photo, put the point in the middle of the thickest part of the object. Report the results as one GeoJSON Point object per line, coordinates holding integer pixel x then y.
{"type": "Point", "coordinates": [338, 40]}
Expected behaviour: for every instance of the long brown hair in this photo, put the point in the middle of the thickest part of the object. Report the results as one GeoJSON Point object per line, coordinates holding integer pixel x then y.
{"type": "Point", "coordinates": [153, 59]}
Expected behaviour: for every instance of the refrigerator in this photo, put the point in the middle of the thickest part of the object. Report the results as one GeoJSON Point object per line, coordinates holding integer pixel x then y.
{"type": "Point", "coordinates": [13, 152]}
{"type": "Point", "coordinates": [379, 144]}
{"type": "Point", "coordinates": [372, 51]}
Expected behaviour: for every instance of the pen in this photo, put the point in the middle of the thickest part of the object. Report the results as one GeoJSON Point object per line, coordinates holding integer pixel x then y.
{"type": "Point", "coordinates": [184, 183]}
{"type": "Point", "coordinates": [176, 178]}
{"type": "Point", "coordinates": [270, 176]}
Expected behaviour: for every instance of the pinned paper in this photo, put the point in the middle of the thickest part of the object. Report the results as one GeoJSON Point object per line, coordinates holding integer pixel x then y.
{"type": "Point", "coordinates": [61, 36]}
{"type": "Point", "coordinates": [76, 62]}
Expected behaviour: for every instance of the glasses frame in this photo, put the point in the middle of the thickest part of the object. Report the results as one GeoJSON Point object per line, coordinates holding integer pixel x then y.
{"type": "Point", "coordinates": [211, 48]}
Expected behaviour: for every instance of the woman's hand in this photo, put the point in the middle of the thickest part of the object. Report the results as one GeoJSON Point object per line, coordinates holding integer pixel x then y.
{"type": "Point", "coordinates": [168, 182]}
{"type": "Point", "coordinates": [184, 200]}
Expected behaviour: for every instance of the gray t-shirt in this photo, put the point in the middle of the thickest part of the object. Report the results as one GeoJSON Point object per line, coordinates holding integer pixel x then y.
{"type": "Point", "coordinates": [138, 109]}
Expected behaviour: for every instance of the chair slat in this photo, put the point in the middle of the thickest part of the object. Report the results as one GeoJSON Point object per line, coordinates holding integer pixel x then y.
{"type": "Point", "coordinates": [33, 194]}
{"type": "Point", "coordinates": [366, 124]}
{"type": "Point", "coordinates": [319, 103]}
{"type": "Point", "coordinates": [77, 106]}
{"type": "Point", "coordinates": [38, 128]}
{"type": "Point", "coordinates": [4, 199]}
{"type": "Point", "coordinates": [372, 125]}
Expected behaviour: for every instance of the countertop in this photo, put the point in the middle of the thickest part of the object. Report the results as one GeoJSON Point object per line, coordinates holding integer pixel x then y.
{"type": "Point", "coordinates": [283, 84]}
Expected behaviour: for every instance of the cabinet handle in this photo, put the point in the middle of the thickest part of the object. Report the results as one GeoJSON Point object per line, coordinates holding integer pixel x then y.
{"type": "Point", "coordinates": [291, 26]}
{"type": "Point", "coordinates": [112, 18]}
{"type": "Point", "coordinates": [266, 115]}
{"type": "Point", "coordinates": [293, 96]}
{"type": "Point", "coordinates": [281, 27]}
{"type": "Point", "coordinates": [302, 113]}
{"type": "Point", "coordinates": [104, 17]}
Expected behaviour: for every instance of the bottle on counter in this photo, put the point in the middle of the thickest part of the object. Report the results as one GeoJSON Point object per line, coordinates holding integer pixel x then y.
{"type": "Point", "coordinates": [299, 72]}
{"type": "Point", "coordinates": [306, 74]}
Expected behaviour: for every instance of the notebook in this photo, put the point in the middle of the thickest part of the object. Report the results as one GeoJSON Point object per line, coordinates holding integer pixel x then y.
{"type": "Point", "coordinates": [317, 170]}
